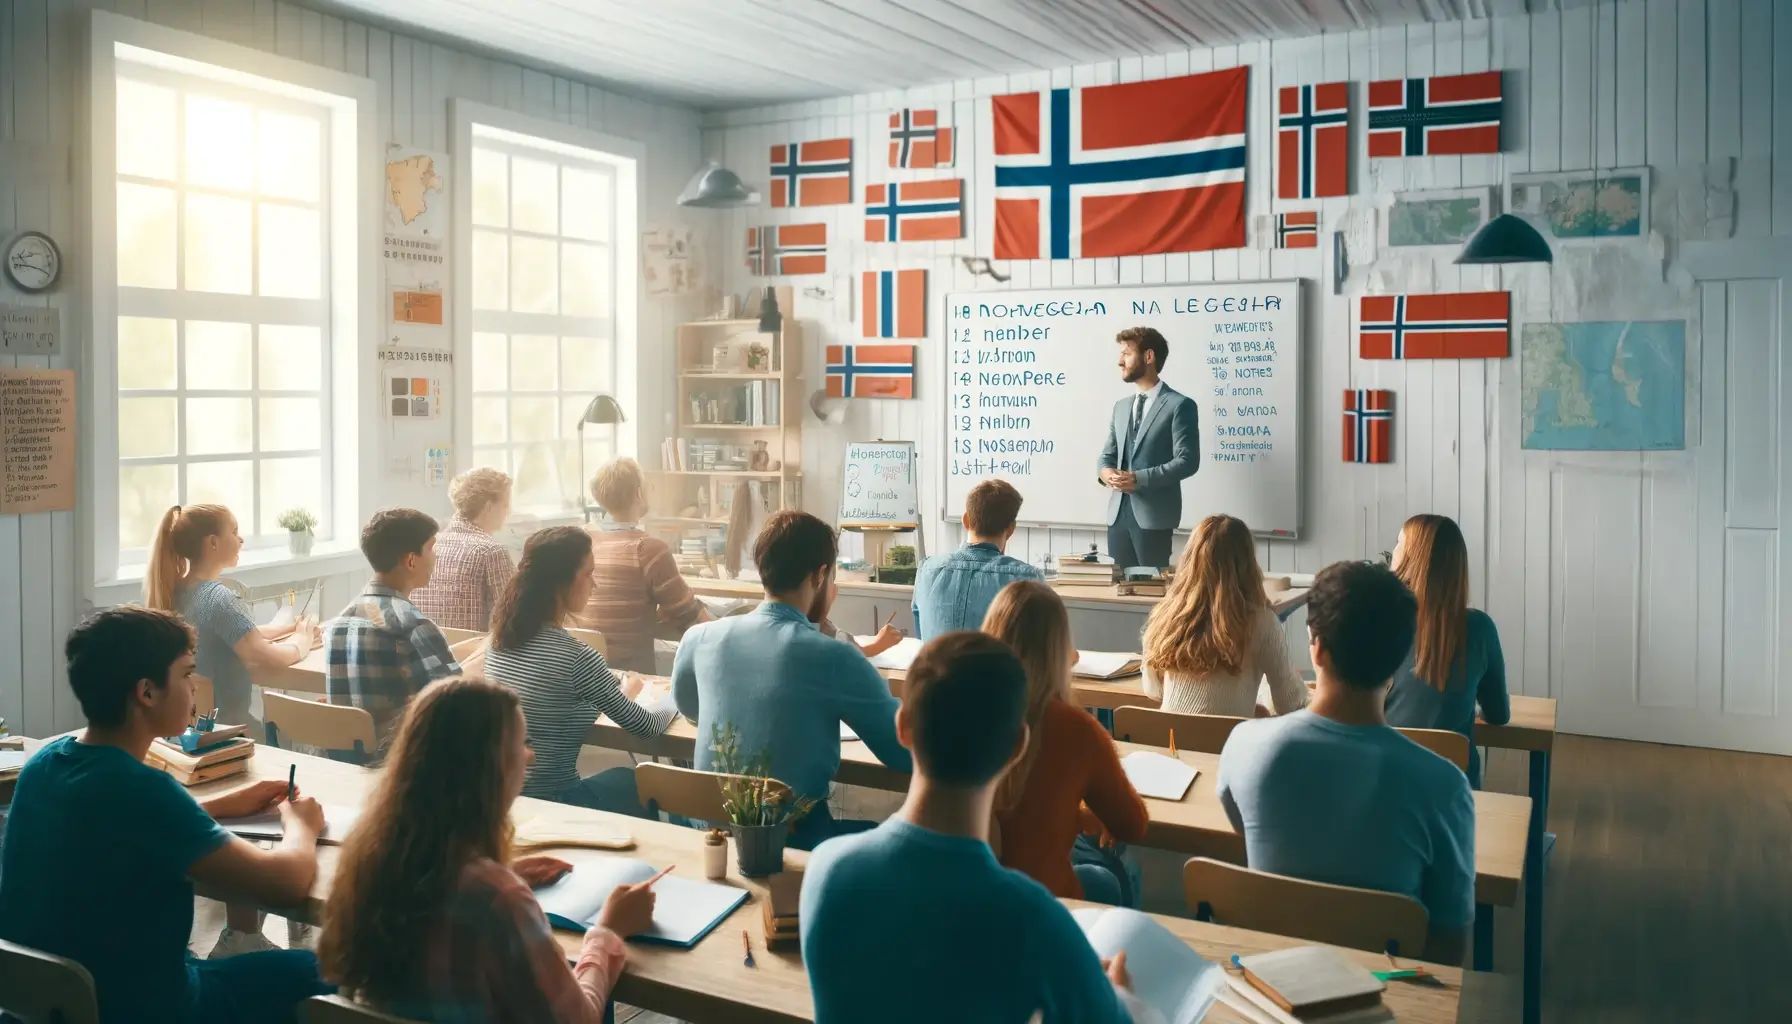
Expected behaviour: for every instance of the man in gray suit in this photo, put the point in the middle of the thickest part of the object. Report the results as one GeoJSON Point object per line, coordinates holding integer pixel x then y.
{"type": "Point", "coordinates": [1154, 443]}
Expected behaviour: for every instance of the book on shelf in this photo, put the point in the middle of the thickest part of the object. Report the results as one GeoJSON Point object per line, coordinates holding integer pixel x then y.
{"type": "Point", "coordinates": [752, 404]}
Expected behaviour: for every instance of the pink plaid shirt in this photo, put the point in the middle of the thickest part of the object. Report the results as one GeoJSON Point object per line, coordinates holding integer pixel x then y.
{"type": "Point", "coordinates": [471, 571]}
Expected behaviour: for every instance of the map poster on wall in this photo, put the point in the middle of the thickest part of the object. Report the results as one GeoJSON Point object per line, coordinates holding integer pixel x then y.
{"type": "Point", "coordinates": [37, 441]}
{"type": "Point", "coordinates": [1581, 206]}
{"type": "Point", "coordinates": [1605, 386]}
{"type": "Point", "coordinates": [415, 239]}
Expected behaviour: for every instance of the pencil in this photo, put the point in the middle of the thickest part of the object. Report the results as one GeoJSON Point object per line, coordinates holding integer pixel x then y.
{"type": "Point", "coordinates": [1172, 743]}
{"type": "Point", "coordinates": [663, 873]}
{"type": "Point", "coordinates": [292, 774]}
{"type": "Point", "coordinates": [747, 945]}
{"type": "Point", "coordinates": [891, 619]}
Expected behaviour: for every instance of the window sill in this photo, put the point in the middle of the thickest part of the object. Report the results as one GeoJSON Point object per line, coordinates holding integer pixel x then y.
{"type": "Point", "coordinates": [259, 567]}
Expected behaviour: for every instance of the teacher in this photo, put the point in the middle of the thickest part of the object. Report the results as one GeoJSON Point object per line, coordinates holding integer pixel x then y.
{"type": "Point", "coordinates": [1154, 444]}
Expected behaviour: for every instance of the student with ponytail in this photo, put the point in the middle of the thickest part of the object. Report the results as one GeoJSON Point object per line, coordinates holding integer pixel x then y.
{"type": "Point", "coordinates": [564, 685]}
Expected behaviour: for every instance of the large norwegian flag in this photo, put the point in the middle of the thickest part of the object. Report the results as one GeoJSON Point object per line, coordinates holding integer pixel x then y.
{"type": "Point", "coordinates": [787, 249]}
{"type": "Point", "coordinates": [894, 303]}
{"type": "Point", "coordinates": [914, 211]}
{"type": "Point", "coordinates": [1121, 170]}
{"type": "Point", "coordinates": [1440, 116]}
{"type": "Point", "coordinates": [918, 140]}
{"type": "Point", "coordinates": [1368, 425]}
{"type": "Point", "coordinates": [871, 371]}
{"type": "Point", "coordinates": [812, 173]}
{"type": "Point", "coordinates": [1313, 141]}
{"type": "Point", "coordinates": [1458, 325]}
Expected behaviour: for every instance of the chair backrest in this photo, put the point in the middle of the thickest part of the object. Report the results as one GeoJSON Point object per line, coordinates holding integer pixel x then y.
{"type": "Point", "coordinates": [685, 791]}
{"type": "Point", "coordinates": [1452, 746]}
{"type": "Point", "coordinates": [338, 1010]}
{"type": "Point", "coordinates": [1204, 733]}
{"type": "Point", "coordinates": [336, 727]}
{"type": "Point", "coordinates": [455, 636]}
{"type": "Point", "coordinates": [1337, 914]}
{"type": "Point", "coordinates": [591, 638]}
{"type": "Point", "coordinates": [40, 988]}
{"type": "Point", "coordinates": [470, 654]}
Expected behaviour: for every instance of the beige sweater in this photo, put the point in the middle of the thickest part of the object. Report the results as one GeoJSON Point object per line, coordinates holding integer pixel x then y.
{"type": "Point", "coordinates": [1236, 694]}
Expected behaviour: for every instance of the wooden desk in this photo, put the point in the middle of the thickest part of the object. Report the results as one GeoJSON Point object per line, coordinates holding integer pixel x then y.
{"type": "Point", "coordinates": [709, 981]}
{"type": "Point", "coordinates": [307, 676]}
{"type": "Point", "coordinates": [1283, 601]}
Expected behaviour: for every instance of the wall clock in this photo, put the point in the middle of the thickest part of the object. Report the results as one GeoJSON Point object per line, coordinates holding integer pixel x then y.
{"type": "Point", "coordinates": [33, 262]}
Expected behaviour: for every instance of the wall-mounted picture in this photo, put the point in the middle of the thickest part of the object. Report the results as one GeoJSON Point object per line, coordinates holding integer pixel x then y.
{"type": "Point", "coordinates": [1585, 206]}
{"type": "Point", "coordinates": [1443, 217]}
{"type": "Point", "coordinates": [1604, 386]}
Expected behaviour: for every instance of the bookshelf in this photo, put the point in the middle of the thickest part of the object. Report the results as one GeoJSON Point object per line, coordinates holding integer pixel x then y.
{"type": "Point", "coordinates": [739, 422]}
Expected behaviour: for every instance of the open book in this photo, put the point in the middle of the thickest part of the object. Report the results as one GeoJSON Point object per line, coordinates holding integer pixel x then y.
{"type": "Point", "coordinates": [684, 911]}
{"type": "Point", "coordinates": [1167, 974]}
{"type": "Point", "coordinates": [338, 821]}
{"type": "Point", "coordinates": [1105, 665]}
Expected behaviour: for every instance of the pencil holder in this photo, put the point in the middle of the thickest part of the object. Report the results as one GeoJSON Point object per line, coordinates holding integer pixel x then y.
{"type": "Point", "coordinates": [759, 849]}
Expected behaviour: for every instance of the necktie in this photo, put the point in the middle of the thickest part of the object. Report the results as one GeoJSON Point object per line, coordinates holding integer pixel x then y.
{"type": "Point", "coordinates": [1132, 434]}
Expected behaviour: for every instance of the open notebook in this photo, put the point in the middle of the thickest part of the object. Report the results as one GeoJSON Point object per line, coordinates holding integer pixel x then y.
{"type": "Point", "coordinates": [338, 821]}
{"type": "Point", "coordinates": [899, 657]}
{"type": "Point", "coordinates": [1158, 775]}
{"type": "Point", "coordinates": [1105, 665]}
{"type": "Point", "coordinates": [684, 910]}
{"type": "Point", "coordinates": [1166, 972]}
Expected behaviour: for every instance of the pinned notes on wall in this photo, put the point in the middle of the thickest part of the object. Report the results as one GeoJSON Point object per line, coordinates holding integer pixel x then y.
{"type": "Point", "coordinates": [878, 487]}
{"type": "Point", "coordinates": [37, 441]}
{"type": "Point", "coordinates": [30, 330]}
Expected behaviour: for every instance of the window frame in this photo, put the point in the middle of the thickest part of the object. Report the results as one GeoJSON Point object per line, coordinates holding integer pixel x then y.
{"type": "Point", "coordinates": [351, 275]}
{"type": "Point", "coordinates": [550, 139]}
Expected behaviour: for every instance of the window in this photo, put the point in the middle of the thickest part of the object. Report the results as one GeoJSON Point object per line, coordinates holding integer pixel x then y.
{"type": "Point", "coordinates": [551, 229]}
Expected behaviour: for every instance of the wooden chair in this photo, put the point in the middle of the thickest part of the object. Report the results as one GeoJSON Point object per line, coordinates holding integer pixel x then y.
{"type": "Point", "coordinates": [40, 988]}
{"type": "Point", "coordinates": [337, 1010]}
{"type": "Point", "coordinates": [455, 636]}
{"type": "Point", "coordinates": [591, 638]}
{"type": "Point", "coordinates": [1336, 914]}
{"type": "Point", "coordinates": [470, 654]}
{"type": "Point", "coordinates": [1452, 746]}
{"type": "Point", "coordinates": [1205, 733]}
{"type": "Point", "coordinates": [340, 729]}
{"type": "Point", "coordinates": [687, 791]}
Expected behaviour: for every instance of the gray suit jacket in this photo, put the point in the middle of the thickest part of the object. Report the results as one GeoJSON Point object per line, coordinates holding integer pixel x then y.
{"type": "Point", "coordinates": [1166, 452]}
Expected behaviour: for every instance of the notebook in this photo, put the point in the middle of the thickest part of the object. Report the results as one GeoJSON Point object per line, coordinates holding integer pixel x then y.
{"type": "Point", "coordinates": [1256, 1008]}
{"type": "Point", "coordinates": [685, 909]}
{"type": "Point", "coordinates": [339, 820]}
{"type": "Point", "coordinates": [13, 760]}
{"type": "Point", "coordinates": [1166, 972]}
{"type": "Point", "coordinates": [1105, 665]}
{"type": "Point", "coordinates": [899, 657]}
{"type": "Point", "coordinates": [1158, 775]}
{"type": "Point", "coordinates": [1312, 980]}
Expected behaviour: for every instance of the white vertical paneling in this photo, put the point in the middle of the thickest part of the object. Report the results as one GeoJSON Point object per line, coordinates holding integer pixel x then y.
{"type": "Point", "coordinates": [12, 660]}
{"type": "Point", "coordinates": [1782, 119]}
{"type": "Point", "coordinates": [1578, 55]}
{"type": "Point", "coordinates": [1504, 569]}
{"type": "Point", "coordinates": [1605, 86]}
{"type": "Point", "coordinates": [1667, 674]}
{"type": "Point", "coordinates": [1723, 93]}
{"type": "Point", "coordinates": [1631, 61]}
{"type": "Point", "coordinates": [1752, 622]}
{"type": "Point", "coordinates": [1751, 468]}
{"type": "Point", "coordinates": [1595, 592]}
{"type": "Point", "coordinates": [1754, 172]}
{"type": "Point", "coordinates": [1690, 72]}
{"type": "Point", "coordinates": [1709, 594]}
{"type": "Point", "coordinates": [1663, 101]}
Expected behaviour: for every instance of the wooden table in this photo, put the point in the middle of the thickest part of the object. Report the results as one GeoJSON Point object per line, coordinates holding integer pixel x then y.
{"type": "Point", "coordinates": [1283, 601]}
{"type": "Point", "coordinates": [709, 982]}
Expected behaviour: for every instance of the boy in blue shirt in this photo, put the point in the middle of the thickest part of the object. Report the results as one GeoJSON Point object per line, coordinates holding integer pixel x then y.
{"type": "Point", "coordinates": [100, 851]}
{"type": "Point", "coordinates": [1332, 793]}
{"type": "Point", "coordinates": [916, 920]}
{"type": "Point", "coordinates": [955, 591]}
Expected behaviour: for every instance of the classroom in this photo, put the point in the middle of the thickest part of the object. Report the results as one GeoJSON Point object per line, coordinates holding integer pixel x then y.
{"type": "Point", "coordinates": [722, 510]}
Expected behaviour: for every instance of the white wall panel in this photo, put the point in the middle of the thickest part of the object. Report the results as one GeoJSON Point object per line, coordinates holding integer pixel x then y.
{"type": "Point", "coordinates": [1752, 406]}
{"type": "Point", "coordinates": [1751, 622]}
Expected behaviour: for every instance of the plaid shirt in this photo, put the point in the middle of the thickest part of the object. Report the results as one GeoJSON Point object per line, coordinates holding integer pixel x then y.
{"type": "Point", "coordinates": [381, 651]}
{"type": "Point", "coordinates": [471, 571]}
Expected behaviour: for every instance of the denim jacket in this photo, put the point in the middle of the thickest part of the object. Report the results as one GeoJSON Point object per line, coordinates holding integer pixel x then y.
{"type": "Point", "coordinates": [954, 591]}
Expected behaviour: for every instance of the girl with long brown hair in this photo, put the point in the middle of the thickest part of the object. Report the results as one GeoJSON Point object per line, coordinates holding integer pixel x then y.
{"type": "Point", "coordinates": [424, 918]}
{"type": "Point", "coordinates": [1213, 638]}
{"type": "Point", "coordinates": [1456, 660]}
{"type": "Point", "coordinates": [564, 684]}
{"type": "Point", "coordinates": [1069, 762]}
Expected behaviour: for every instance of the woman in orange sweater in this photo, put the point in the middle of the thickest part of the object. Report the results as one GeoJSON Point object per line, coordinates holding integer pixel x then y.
{"type": "Point", "coordinates": [1069, 780]}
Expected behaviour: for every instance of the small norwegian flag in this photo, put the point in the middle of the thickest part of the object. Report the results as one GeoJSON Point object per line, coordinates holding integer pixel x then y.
{"type": "Point", "coordinates": [1459, 325]}
{"type": "Point", "coordinates": [918, 140]}
{"type": "Point", "coordinates": [894, 303]}
{"type": "Point", "coordinates": [812, 173]}
{"type": "Point", "coordinates": [1368, 425]}
{"type": "Point", "coordinates": [1441, 116]}
{"type": "Point", "coordinates": [1298, 230]}
{"type": "Point", "coordinates": [787, 249]}
{"type": "Point", "coordinates": [914, 211]}
{"type": "Point", "coordinates": [871, 371]}
{"type": "Point", "coordinates": [1313, 141]}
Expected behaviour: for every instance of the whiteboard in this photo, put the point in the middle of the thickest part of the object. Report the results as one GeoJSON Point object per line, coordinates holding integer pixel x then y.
{"type": "Point", "coordinates": [1031, 379]}
{"type": "Point", "coordinates": [878, 485]}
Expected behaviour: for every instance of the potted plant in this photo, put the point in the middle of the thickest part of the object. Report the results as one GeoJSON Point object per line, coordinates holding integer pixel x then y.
{"type": "Point", "coordinates": [760, 808]}
{"type": "Point", "coordinates": [299, 524]}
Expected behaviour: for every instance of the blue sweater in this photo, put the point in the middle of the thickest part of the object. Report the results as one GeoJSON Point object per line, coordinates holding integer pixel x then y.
{"type": "Point", "coordinates": [786, 689]}
{"type": "Point", "coordinates": [1480, 679]}
{"type": "Point", "coordinates": [955, 591]}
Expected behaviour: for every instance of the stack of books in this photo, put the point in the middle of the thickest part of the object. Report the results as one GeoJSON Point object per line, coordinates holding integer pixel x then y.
{"type": "Point", "coordinates": [780, 904]}
{"type": "Point", "coordinates": [210, 761]}
{"type": "Point", "coordinates": [1074, 572]}
{"type": "Point", "coordinates": [1154, 587]}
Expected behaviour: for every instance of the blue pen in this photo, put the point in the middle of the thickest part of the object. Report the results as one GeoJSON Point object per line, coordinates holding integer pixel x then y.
{"type": "Point", "coordinates": [292, 773]}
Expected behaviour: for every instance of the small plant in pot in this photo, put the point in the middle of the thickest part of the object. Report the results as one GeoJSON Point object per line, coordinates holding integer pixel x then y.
{"type": "Point", "coordinates": [299, 525]}
{"type": "Point", "coordinates": [760, 808]}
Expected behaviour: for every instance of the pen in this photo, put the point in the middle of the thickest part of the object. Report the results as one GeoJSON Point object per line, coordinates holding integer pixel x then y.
{"type": "Point", "coordinates": [292, 773]}
{"type": "Point", "coordinates": [1172, 743]}
{"type": "Point", "coordinates": [663, 873]}
{"type": "Point", "coordinates": [891, 619]}
{"type": "Point", "coordinates": [747, 944]}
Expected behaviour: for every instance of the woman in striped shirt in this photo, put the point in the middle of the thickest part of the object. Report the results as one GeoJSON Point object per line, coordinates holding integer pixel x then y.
{"type": "Point", "coordinates": [564, 685]}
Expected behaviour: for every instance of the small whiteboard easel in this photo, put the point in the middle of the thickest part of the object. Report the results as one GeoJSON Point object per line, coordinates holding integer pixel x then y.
{"type": "Point", "coordinates": [879, 496]}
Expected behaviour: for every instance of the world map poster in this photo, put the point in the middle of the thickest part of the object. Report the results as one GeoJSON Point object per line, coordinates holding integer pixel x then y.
{"type": "Point", "coordinates": [1605, 385]}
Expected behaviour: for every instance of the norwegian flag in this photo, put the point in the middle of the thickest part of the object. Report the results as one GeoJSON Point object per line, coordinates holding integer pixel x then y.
{"type": "Point", "coordinates": [1313, 141]}
{"type": "Point", "coordinates": [914, 211]}
{"type": "Point", "coordinates": [1121, 170]}
{"type": "Point", "coordinates": [1298, 230]}
{"type": "Point", "coordinates": [871, 371]}
{"type": "Point", "coordinates": [1368, 425]}
{"type": "Point", "coordinates": [787, 249]}
{"type": "Point", "coordinates": [1459, 325]}
{"type": "Point", "coordinates": [812, 173]}
{"type": "Point", "coordinates": [918, 140]}
{"type": "Point", "coordinates": [894, 303]}
{"type": "Point", "coordinates": [1439, 116]}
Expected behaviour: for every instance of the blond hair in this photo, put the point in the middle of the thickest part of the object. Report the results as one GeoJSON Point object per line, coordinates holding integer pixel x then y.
{"type": "Point", "coordinates": [1030, 617]}
{"type": "Point", "coordinates": [1205, 623]}
{"type": "Point", "coordinates": [476, 490]}
{"type": "Point", "coordinates": [180, 540]}
{"type": "Point", "coordinates": [616, 484]}
{"type": "Point", "coordinates": [1433, 564]}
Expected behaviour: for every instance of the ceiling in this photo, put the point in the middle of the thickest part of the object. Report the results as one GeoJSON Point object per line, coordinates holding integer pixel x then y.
{"type": "Point", "coordinates": [720, 54]}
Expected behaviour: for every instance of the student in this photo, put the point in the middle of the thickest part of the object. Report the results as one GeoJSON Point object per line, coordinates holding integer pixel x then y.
{"type": "Point", "coordinates": [887, 636]}
{"type": "Point", "coordinates": [192, 548]}
{"type": "Point", "coordinates": [780, 684]}
{"type": "Point", "coordinates": [381, 648]}
{"type": "Point", "coordinates": [953, 591]}
{"type": "Point", "coordinates": [1455, 661]}
{"type": "Point", "coordinates": [1213, 638]}
{"type": "Point", "coordinates": [1332, 793]}
{"type": "Point", "coordinates": [915, 920]}
{"type": "Point", "coordinates": [1069, 781]}
{"type": "Point", "coordinates": [101, 851]}
{"type": "Point", "coordinates": [471, 568]}
{"type": "Point", "coordinates": [635, 585]}
{"type": "Point", "coordinates": [424, 919]}
{"type": "Point", "coordinates": [564, 684]}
